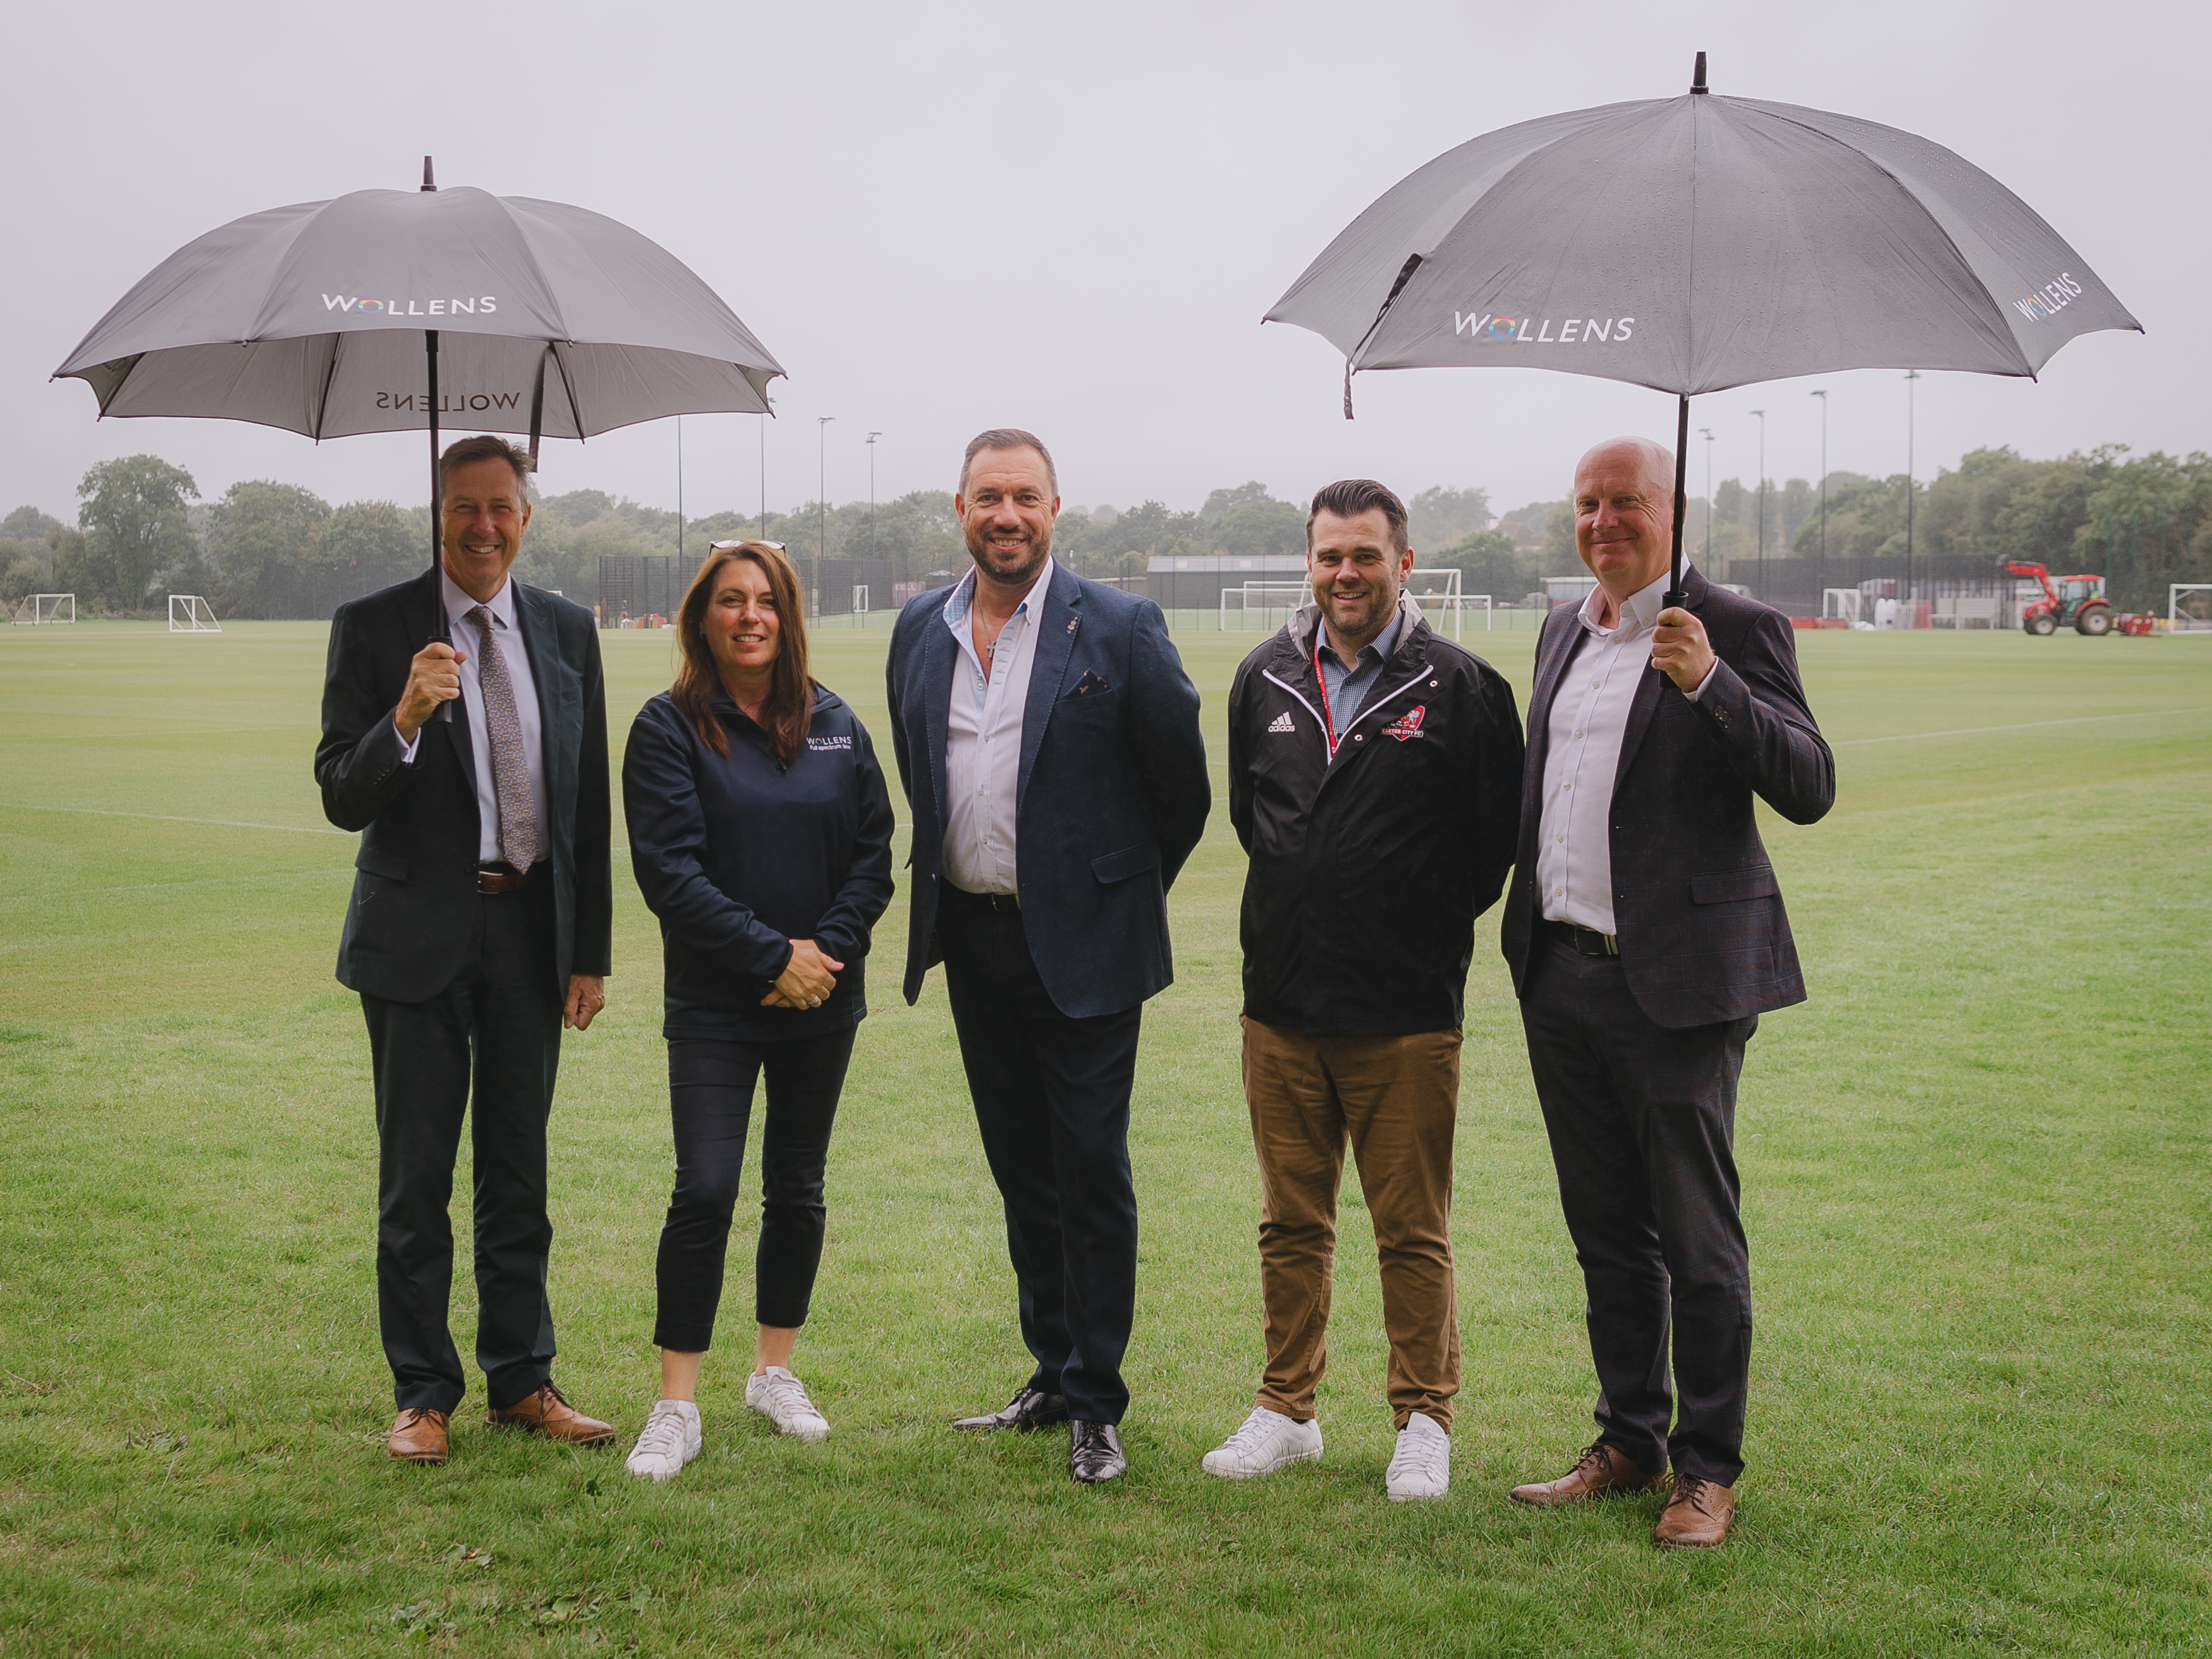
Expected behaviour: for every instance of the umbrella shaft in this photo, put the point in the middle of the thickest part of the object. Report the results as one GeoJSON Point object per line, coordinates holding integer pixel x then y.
{"type": "Point", "coordinates": [1674, 595]}
{"type": "Point", "coordinates": [438, 631]}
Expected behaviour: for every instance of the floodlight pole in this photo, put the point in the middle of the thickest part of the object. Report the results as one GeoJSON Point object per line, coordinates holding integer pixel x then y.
{"type": "Point", "coordinates": [1762, 504]}
{"type": "Point", "coordinates": [679, 492]}
{"type": "Point", "coordinates": [1910, 375]}
{"type": "Point", "coordinates": [1820, 559]}
{"type": "Point", "coordinates": [821, 499]}
{"type": "Point", "coordinates": [1708, 431]}
{"type": "Point", "coordinates": [873, 436]}
{"type": "Point", "coordinates": [763, 463]}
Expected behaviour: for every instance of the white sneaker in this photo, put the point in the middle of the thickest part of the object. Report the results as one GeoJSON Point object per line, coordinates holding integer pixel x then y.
{"type": "Point", "coordinates": [1421, 1467]}
{"type": "Point", "coordinates": [779, 1396]}
{"type": "Point", "coordinates": [1267, 1442]}
{"type": "Point", "coordinates": [670, 1440]}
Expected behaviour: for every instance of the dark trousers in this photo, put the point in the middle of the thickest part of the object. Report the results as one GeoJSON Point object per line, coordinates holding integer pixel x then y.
{"type": "Point", "coordinates": [500, 1022]}
{"type": "Point", "coordinates": [710, 1094]}
{"type": "Point", "coordinates": [1642, 1121]}
{"type": "Point", "coordinates": [1052, 1100]}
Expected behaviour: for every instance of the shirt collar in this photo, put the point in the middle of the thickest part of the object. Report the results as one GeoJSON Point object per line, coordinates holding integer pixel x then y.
{"type": "Point", "coordinates": [459, 604]}
{"type": "Point", "coordinates": [1638, 612]}
{"type": "Point", "coordinates": [1377, 650]}
{"type": "Point", "coordinates": [964, 594]}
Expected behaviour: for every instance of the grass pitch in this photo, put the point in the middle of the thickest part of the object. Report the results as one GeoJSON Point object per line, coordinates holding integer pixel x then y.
{"type": "Point", "coordinates": [1973, 1167]}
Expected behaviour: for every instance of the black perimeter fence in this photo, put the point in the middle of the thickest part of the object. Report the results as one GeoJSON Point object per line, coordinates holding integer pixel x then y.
{"type": "Point", "coordinates": [635, 585]}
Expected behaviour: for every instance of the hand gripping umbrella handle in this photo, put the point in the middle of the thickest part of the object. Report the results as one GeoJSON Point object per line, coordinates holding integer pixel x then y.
{"type": "Point", "coordinates": [1674, 594]}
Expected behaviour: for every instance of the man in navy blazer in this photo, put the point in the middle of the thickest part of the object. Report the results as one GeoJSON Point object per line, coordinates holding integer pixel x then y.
{"type": "Point", "coordinates": [1047, 738]}
{"type": "Point", "coordinates": [1646, 935]}
{"type": "Point", "coordinates": [480, 923]}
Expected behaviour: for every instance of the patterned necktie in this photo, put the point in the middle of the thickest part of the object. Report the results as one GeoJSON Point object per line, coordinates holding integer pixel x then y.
{"type": "Point", "coordinates": [510, 767]}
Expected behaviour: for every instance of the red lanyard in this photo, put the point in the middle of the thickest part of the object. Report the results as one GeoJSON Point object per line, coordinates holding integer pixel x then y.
{"type": "Point", "coordinates": [1328, 715]}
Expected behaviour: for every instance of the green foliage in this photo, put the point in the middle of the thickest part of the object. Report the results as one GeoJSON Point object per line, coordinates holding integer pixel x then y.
{"type": "Point", "coordinates": [1439, 517]}
{"type": "Point", "coordinates": [29, 525]}
{"type": "Point", "coordinates": [1493, 562]}
{"type": "Point", "coordinates": [261, 533]}
{"type": "Point", "coordinates": [22, 570]}
{"type": "Point", "coordinates": [375, 540]}
{"type": "Point", "coordinates": [135, 526]}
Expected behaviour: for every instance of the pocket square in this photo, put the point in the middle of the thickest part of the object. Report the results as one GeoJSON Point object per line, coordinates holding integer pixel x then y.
{"type": "Point", "coordinates": [1088, 683]}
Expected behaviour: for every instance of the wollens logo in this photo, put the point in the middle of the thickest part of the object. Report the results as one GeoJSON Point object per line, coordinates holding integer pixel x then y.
{"type": "Point", "coordinates": [480, 305]}
{"type": "Point", "coordinates": [449, 402]}
{"type": "Point", "coordinates": [1540, 330]}
{"type": "Point", "coordinates": [2049, 300]}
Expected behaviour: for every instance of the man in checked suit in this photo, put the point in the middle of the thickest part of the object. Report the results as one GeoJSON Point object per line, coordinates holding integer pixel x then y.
{"type": "Point", "coordinates": [1646, 935]}
{"type": "Point", "coordinates": [479, 926]}
{"type": "Point", "coordinates": [1047, 738]}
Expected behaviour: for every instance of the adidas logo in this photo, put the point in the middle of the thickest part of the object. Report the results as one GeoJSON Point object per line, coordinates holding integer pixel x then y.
{"type": "Point", "coordinates": [1284, 723]}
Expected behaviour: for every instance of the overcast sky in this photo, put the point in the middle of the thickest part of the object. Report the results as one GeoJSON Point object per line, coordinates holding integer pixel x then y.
{"type": "Point", "coordinates": [1070, 218]}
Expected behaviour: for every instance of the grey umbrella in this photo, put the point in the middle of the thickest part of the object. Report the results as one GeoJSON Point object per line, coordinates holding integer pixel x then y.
{"type": "Point", "coordinates": [1697, 243]}
{"type": "Point", "coordinates": [387, 310]}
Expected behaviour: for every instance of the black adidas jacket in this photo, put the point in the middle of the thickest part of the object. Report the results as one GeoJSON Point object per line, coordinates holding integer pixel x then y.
{"type": "Point", "coordinates": [1369, 868]}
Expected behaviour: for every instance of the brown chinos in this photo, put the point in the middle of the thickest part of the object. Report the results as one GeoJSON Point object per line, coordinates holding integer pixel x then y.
{"type": "Point", "coordinates": [1395, 1099]}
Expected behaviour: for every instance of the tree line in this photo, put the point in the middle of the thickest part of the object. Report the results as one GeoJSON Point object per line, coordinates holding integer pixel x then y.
{"type": "Point", "coordinates": [266, 549]}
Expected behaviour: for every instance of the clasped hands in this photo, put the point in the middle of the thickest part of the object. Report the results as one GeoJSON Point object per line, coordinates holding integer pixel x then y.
{"type": "Point", "coordinates": [806, 979]}
{"type": "Point", "coordinates": [1679, 649]}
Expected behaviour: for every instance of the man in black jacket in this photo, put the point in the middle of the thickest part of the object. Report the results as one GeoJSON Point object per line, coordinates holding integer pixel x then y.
{"type": "Point", "coordinates": [479, 925]}
{"type": "Point", "coordinates": [1374, 778]}
{"type": "Point", "coordinates": [1646, 935]}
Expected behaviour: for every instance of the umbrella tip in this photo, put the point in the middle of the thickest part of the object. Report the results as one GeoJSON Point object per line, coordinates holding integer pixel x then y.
{"type": "Point", "coordinates": [1696, 84]}
{"type": "Point", "coordinates": [430, 178]}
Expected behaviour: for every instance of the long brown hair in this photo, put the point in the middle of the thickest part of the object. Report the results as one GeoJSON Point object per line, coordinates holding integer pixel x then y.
{"type": "Point", "coordinates": [790, 706]}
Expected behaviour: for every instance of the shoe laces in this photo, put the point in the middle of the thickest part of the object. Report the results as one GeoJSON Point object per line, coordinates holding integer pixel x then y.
{"type": "Point", "coordinates": [1250, 1433]}
{"type": "Point", "coordinates": [1426, 1452]}
{"type": "Point", "coordinates": [663, 1435]}
{"type": "Point", "coordinates": [415, 1414]}
{"type": "Point", "coordinates": [1689, 1489]}
{"type": "Point", "coordinates": [789, 1392]}
{"type": "Point", "coordinates": [1593, 1459]}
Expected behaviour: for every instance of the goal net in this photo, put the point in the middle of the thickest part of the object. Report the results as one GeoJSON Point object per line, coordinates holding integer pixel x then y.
{"type": "Point", "coordinates": [2189, 607]}
{"type": "Point", "coordinates": [1438, 592]}
{"type": "Point", "coordinates": [37, 610]}
{"type": "Point", "coordinates": [190, 614]}
{"type": "Point", "coordinates": [1264, 606]}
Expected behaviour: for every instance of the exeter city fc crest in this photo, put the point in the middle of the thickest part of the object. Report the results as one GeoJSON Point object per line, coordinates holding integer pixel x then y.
{"type": "Point", "coordinates": [1407, 725]}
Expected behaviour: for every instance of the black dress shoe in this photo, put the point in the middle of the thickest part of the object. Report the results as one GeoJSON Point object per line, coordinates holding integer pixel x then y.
{"type": "Point", "coordinates": [1030, 1409]}
{"type": "Point", "coordinates": [1095, 1454]}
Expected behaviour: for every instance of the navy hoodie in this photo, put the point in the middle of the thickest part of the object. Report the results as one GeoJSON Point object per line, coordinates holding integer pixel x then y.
{"type": "Point", "coordinates": [739, 854]}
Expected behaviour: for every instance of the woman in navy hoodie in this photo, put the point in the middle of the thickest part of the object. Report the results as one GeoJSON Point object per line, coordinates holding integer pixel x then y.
{"type": "Point", "coordinates": [759, 831]}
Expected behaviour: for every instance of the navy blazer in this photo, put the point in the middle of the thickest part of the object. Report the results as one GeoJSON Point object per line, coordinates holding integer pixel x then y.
{"type": "Point", "coordinates": [1112, 793]}
{"type": "Point", "coordinates": [414, 880]}
{"type": "Point", "coordinates": [1704, 937]}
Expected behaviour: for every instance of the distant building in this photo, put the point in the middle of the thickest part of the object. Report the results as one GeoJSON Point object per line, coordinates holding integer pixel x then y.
{"type": "Point", "coordinates": [1195, 582]}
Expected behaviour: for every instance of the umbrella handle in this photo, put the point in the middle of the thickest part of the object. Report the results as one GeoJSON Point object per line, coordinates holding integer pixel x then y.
{"type": "Point", "coordinates": [440, 633]}
{"type": "Point", "coordinates": [1674, 594]}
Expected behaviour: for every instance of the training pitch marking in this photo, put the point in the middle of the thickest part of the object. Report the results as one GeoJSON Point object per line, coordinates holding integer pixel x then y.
{"type": "Point", "coordinates": [2024, 725]}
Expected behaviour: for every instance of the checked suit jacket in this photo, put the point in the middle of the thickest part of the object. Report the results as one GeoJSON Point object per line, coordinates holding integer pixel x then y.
{"type": "Point", "coordinates": [1111, 796]}
{"type": "Point", "coordinates": [1704, 936]}
{"type": "Point", "coordinates": [414, 875]}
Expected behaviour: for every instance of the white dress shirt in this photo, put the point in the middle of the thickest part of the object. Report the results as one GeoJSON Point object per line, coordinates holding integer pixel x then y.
{"type": "Point", "coordinates": [1589, 719]}
{"type": "Point", "coordinates": [983, 739]}
{"type": "Point", "coordinates": [470, 644]}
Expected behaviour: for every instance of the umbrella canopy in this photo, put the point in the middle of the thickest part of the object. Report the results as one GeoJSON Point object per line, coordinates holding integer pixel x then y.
{"type": "Point", "coordinates": [1697, 243]}
{"type": "Point", "coordinates": [311, 318]}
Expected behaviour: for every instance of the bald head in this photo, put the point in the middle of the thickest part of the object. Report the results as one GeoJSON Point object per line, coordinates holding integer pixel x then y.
{"type": "Point", "coordinates": [1625, 513]}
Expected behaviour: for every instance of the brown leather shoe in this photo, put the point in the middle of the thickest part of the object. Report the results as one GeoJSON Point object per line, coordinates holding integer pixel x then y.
{"type": "Point", "coordinates": [419, 1435]}
{"type": "Point", "coordinates": [1698, 1516]}
{"type": "Point", "coordinates": [1601, 1471]}
{"type": "Point", "coordinates": [549, 1413]}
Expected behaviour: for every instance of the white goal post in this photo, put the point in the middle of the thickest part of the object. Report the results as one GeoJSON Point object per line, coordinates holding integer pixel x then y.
{"type": "Point", "coordinates": [190, 614]}
{"type": "Point", "coordinates": [2198, 622]}
{"type": "Point", "coordinates": [1434, 591]}
{"type": "Point", "coordinates": [38, 609]}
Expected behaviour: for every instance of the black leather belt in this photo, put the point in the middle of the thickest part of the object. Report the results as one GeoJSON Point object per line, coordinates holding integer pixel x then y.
{"type": "Point", "coordinates": [1588, 940]}
{"type": "Point", "coordinates": [1004, 903]}
{"type": "Point", "coordinates": [505, 878]}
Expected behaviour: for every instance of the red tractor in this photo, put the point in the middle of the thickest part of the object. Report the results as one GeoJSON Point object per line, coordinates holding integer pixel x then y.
{"type": "Point", "coordinates": [2076, 602]}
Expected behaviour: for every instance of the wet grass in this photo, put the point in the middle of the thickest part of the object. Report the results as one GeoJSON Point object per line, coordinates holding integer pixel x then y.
{"type": "Point", "coordinates": [1974, 1167]}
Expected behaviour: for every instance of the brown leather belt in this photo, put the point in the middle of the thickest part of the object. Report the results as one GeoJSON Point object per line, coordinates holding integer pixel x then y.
{"type": "Point", "coordinates": [1588, 940]}
{"type": "Point", "coordinates": [505, 878]}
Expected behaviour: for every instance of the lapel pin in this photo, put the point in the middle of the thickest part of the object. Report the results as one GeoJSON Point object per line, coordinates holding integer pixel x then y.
{"type": "Point", "coordinates": [1071, 621]}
